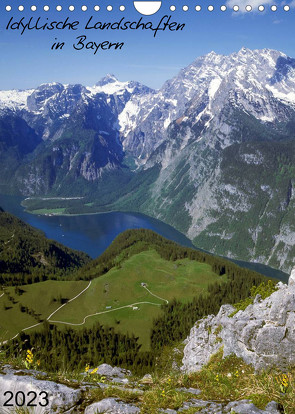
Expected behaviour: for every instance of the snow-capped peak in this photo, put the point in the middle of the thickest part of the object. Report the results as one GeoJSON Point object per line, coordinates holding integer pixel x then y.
{"type": "Point", "coordinates": [14, 99]}
{"type": "Point", "coordinates": [109, 78]}
{"type": "Point", "coordinates": [110, 85]}
{"type": "Point", "coordinates": [255, 81]}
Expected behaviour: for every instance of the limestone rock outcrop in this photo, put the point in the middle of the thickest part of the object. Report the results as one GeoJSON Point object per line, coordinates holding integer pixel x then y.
{"type": "Point", "coordinates": [263, 335]}
{"type": "Point", "coordinates": [50, 396]}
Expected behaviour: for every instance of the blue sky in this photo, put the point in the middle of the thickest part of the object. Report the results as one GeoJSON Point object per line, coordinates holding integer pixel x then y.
{"type": "Point", "coordinates": [27, 61]}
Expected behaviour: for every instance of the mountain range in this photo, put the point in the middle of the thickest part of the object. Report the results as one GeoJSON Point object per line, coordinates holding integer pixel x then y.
{"type": "Point", "coordinates": [212, 152]}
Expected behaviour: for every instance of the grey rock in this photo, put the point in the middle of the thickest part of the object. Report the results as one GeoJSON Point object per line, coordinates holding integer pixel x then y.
{"type": "Point", "coordinates": [203, 342]}
{"type": "Point", "coordinates": [6, 369]}
{"type": "Point", "coordinates": [60, 397]}
{"type": "Point", "coordinates": [272, 408]}
{"type": "Point", "coordinates": [103, 386]}
{"type": "Point", "coordinates": [257, 299]}
{"type": "Point", "coordinates": [146, 379]}
{"type": "Point", "coordinates": [111, 406]}
{"type": "Point", "coordinates": [239, 407]}
{"type": "Point", "coordinates": [109, 371]}
{"type": "Point", "coordinates": [194, 391]}
{"type": "Point", "coordinates": [114, 374]}
{"type": "Point", "coordinates": [246, 407]}
{"type": "Point", "coordinates": [202, 406]}
{"type": "Point", "coordinates": [292, 277]}
{"type": "Point", "coordinates": [263, 335]}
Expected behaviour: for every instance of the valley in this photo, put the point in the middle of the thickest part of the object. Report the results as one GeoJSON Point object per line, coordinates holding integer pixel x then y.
{"type": "Point", "coordinates": [94, 232]}
{"type": "Point", "coordinates": [176, 154]}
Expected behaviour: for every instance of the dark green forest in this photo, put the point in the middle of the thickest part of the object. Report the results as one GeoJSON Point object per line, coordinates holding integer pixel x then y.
{"type": "Point", "coordinates": [72, 349]}
{"type": "Point", "coordinates": [27, 256]}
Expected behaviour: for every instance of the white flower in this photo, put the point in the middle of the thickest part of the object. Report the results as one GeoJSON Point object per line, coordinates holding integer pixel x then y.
{"type": "Point", "coordinates": [229, 374]}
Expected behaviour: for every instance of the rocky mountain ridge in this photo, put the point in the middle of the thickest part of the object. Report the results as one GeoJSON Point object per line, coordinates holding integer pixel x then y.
{"type": "Point", "coordinates": [262, 335]}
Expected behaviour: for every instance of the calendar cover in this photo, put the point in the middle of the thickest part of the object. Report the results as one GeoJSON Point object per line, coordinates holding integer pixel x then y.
{"type": "Point", "coordinates": [147, 232]}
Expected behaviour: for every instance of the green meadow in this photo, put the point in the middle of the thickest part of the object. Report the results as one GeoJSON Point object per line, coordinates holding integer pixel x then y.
{"type": "Point", "coordinates": [121, 286]}
{"type": "Point", "coordinates": [39, 297]}
{"type": "Point", "coordinates": [49, 211]}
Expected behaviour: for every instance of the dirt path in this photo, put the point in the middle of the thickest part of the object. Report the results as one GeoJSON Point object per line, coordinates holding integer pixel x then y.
{"type": "Point", "coordinates": [39, 323]}
{"type": "Point", "coordinates": [9, 239]}
{"type": "Point", "coordinates": [79, 294]}
{"type": "Point", "coordinates": [107, 311]}
{"type": "Point", "coordinates": [156, 296]}
{"type": "Point", "coordinates": [93, 314]}
{"type": "Point", "coordinates": [110, 310]}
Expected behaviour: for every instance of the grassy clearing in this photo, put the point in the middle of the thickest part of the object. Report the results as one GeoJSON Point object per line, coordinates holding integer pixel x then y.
{"type": "Point", "coordinates": [49, 211]}
{"type": "Point", "coordinates": [121, 286]}
{"type": "Point", "coordinates": [39, 297]}
{"type": "Point", "coordinates": [182, 279]}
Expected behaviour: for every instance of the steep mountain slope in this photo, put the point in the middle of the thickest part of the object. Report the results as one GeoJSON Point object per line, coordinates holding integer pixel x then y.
{"type": "Point", "coordinates": [226, 163]}
{"type": "Point", "coordinates": [211, 152]}
{"type": "Point", "coordinates": [77, 131]}
{"type": "Point", "coordinates": [227, 175]}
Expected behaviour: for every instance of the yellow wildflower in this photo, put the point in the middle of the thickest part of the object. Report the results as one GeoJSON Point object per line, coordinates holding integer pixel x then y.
{"type": "Point", "coordinates": [283, 382]}
{"type": "Point", "coordinates": [30, 356]}
{"type": "Point", "coordinates": [87, 367]}
{"type": "Point", "coordinates": [94, 371]}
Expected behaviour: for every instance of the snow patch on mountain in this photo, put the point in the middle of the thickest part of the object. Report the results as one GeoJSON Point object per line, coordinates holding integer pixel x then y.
{"type": "Point", "coordinates": [214, 86]}
{"type": "Point", "coordinates": [112, 88]}
{"type": "Point", "coordinates": [14, 99]}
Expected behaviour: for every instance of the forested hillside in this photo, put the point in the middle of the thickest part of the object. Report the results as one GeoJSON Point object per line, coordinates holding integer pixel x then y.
{"type": "Point", "coordinates": [72, 348]}
{"type": "Point", "coordinates": [131, 242]}
{"type": "Point", "coordinates": [27, 256]}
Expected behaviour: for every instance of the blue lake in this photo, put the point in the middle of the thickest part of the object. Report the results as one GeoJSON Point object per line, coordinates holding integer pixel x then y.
{"type": "Point", "coordinates": [90, 233]}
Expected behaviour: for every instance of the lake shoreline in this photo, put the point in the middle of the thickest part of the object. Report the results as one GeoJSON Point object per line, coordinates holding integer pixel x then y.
{"type": "Point", "coordinates": [93, 232]}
